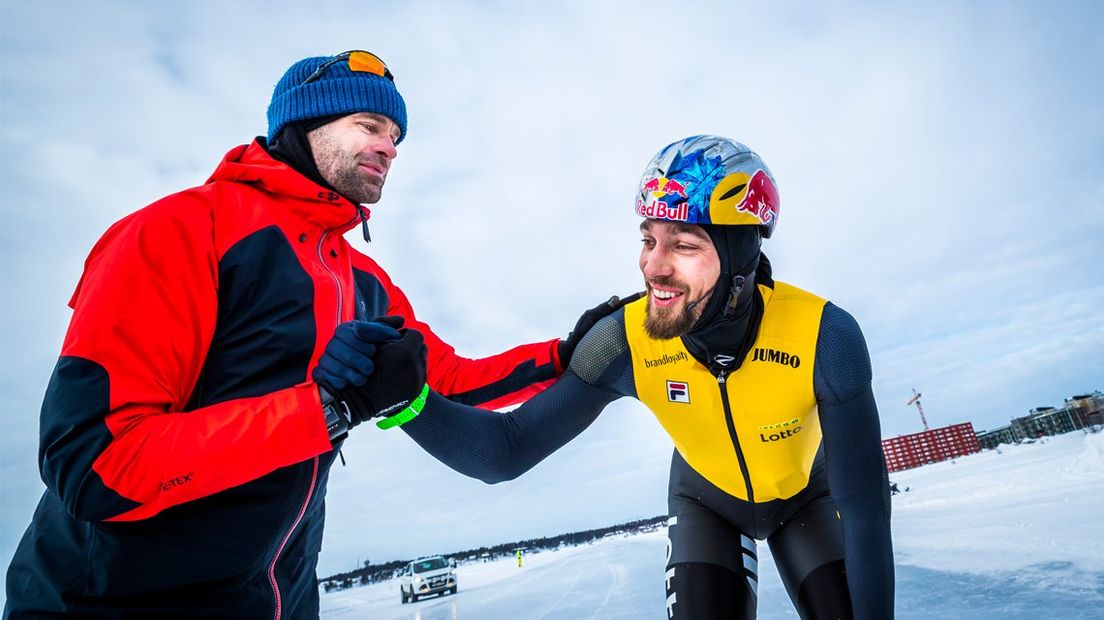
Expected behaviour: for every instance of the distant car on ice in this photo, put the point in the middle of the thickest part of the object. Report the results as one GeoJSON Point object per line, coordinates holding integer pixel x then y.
{"type": "Point", "coordinates": [425, 576]}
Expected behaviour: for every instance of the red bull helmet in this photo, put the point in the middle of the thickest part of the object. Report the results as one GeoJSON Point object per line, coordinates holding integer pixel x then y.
{"type": "Point", "coordinates": [709, 180]}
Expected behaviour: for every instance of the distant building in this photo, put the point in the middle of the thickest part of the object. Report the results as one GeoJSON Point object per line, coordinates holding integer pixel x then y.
{"type": "Point", "coordinates": [1005, 434]}
{"type": "Point", "coordinates": [931, 446]}
{"type": "Point", "coordinates": [1081, 411]}
{"type": "Point", "coordinates": [1089, 406]}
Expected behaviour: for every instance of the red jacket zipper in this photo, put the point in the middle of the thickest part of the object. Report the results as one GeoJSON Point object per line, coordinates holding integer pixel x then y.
{"type": "Point", "coordinates": [283, 543]}
{"type": "Point", "coordinates": [314, 471]}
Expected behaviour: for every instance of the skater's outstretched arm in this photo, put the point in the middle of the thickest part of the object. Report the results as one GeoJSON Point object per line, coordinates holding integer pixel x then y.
{"type": "Point", "coordinates": [494, 447]}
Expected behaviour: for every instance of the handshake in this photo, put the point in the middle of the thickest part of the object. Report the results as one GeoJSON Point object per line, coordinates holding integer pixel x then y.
{"type": "Point", "coordinates": [377, 368]}
{"type": "Point", "coordinates": [372, 369]}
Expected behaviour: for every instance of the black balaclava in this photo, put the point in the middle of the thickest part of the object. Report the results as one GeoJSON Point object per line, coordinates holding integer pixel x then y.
{"type": "Point", "coordinates": [291, 146]}
{"type": "Point", "coordinates": [729, 324]}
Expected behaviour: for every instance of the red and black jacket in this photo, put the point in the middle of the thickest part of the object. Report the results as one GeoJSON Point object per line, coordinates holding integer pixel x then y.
{"type": "Point", "coordinates": [182, 440]}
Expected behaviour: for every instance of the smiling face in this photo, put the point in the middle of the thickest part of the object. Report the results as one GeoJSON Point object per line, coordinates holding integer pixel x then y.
{"type": "Point", "coordinates": [354, 153]}
{"type": "Point", "coordinates": [681, 268]}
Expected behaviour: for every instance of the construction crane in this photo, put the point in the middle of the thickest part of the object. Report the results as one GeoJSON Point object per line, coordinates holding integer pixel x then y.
{"type": "Point", "coordinates": [916, 399]}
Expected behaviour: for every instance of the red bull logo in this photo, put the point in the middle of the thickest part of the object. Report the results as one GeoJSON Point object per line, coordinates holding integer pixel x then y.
{"type": "Point", "coordinates": [650, 206]}
{"type": "Point", "coordinates": [673, 187]}
{"type": "Point", "coordinates": [658, 210]}
{"type": "Point", "coordinates": [662, 186]}
{"type": "Point", "coordinates": [761, 199]}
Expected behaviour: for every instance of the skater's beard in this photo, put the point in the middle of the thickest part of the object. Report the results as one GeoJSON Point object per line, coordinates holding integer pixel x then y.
{"type": "Point", "coordinates": [672, 322]}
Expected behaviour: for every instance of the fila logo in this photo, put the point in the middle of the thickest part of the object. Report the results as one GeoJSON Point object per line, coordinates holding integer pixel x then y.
{"type": "Point", "coordinates": [678, 391]}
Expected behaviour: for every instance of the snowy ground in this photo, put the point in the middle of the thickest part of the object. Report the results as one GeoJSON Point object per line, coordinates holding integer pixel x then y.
{"type": "Point", "coordinates": [1009, 535]}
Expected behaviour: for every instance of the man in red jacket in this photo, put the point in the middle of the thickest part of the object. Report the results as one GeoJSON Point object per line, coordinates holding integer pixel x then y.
{"type": "Point", "coordinates": [184, 444]}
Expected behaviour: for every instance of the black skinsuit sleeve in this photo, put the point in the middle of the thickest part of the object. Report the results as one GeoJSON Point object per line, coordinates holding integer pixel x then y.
{"type": "Point", "coordinates": [856, 466]}
{"type": "Point", "coordinates": [494, 447]}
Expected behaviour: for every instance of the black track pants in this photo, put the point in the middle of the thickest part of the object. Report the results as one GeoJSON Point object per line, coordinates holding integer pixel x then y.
{"type": "Point", "coordinates": [712, 563]}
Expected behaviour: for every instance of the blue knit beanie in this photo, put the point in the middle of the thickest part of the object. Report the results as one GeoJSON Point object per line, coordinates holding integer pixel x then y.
{"type": "Point", "coordinates": [338, 91]}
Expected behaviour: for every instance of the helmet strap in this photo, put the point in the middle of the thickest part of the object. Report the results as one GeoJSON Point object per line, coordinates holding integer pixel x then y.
{"type": "Point", "coordinates": [739, 281]}
{"type": "Point", "coordinates": [733, 296]}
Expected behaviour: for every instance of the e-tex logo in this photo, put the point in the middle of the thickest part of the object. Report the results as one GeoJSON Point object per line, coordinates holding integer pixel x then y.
{"type": "Point", "coordinates": [175, 482]}
{"type": "Point", "coordinates": [678, 392]}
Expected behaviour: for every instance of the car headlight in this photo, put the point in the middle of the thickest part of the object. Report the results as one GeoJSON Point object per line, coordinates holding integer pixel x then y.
{"type": "Point", "coordinates": [452, 572]}
{"type": "Point", "coordinates": [417, 580]}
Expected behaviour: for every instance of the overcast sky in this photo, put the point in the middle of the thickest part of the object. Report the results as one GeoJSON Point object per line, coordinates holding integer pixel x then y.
{"type": "Point", "coordinates": [939, 166]}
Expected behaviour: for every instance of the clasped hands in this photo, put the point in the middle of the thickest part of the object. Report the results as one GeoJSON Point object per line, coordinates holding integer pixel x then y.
{"type": "Point", "coordinates": [377, 368]}
{"type": "Point", "coordinates": [372, 368]}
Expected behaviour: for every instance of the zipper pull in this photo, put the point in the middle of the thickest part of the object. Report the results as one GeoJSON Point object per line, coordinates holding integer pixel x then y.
{"type": "Point", "coordinates": [721, 377]}
{"type": "Point", "coordinates": [364, 224]}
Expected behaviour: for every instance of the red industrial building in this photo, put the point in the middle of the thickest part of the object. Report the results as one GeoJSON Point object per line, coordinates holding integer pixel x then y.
{"type": "Point", "coordinates": [932, 446]}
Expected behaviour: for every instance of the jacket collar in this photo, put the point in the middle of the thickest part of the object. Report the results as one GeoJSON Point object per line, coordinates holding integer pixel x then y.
{"type": "Point", "coordinates": [252, 165]}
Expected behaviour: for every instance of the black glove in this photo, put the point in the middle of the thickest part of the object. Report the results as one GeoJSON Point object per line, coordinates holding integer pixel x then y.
{"type": "Point", "coordinates": [348, 356]}
{"type": "Point", "coordinates": [585, 322]}
{"type": "Point", "coordinates": [398, 380]}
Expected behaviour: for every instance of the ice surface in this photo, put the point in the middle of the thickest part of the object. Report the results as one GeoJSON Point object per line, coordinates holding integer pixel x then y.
{"type": "Point", "coordinates": [1023, 506]}
{"type": "Point", "coordinates": [1014, 534]}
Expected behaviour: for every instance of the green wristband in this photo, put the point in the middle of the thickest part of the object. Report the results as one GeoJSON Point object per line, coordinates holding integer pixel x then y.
{"type": "Point", "coordinates": [407, 414]}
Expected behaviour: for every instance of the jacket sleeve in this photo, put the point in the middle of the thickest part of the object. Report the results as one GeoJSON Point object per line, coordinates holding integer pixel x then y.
{"type": "Point", "coordinates": [857, 476]}
{"type": "Point", "coordinates": [494, 382]}
{"type": "Point", "coordinates": [115, 440]}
